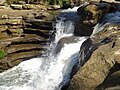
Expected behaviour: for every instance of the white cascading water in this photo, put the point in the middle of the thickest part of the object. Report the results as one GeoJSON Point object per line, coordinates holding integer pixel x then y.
{"type": "Point", "coordinates": [111, 18]}
{"type": "Point", "coordinates": [48, 72]}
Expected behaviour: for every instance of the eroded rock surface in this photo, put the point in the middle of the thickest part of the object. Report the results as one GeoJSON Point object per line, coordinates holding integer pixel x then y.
{"type": "Point", "coordinates": [24, 34]}
{"type": "Point", "coordinates": [102, 63]}
{"type": "Point", "coordinates": [90, 14]}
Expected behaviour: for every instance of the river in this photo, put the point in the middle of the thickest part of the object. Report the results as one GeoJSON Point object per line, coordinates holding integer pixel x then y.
{"type": "Point", "coordinates": [53, 71]}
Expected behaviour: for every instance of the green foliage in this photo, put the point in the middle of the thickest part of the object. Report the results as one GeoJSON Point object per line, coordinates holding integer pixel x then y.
{"type": "Point", "coordinates": [2, 54]}
{"type": "Point", "coordinates": [66, 3]}
{"type": "Point", "coordinates": [62, 3]}
{"type": "Point", "coordinates": [54, 2]}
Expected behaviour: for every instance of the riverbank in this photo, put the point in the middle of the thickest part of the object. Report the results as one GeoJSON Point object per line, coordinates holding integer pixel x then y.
{"type": "Point", "coordinates": [25, 34]}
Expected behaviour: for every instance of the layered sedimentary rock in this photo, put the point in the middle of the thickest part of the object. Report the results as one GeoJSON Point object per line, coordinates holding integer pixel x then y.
{"type": "Point", "coordinates": [24, 35]}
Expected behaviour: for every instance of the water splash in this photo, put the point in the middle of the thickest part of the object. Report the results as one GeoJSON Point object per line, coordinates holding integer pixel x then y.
{"type": "Point", "coordinates": [111, 18]}
{"type": "Point", "coordinates": [48, 72]}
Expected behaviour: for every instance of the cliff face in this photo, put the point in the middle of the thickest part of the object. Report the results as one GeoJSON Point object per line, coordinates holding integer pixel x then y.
{"type": "Point", "coordinates": [24, 34]}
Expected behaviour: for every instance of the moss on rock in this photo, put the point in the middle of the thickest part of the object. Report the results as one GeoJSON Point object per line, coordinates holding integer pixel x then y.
{"type": "Point", "coordinates": [2, 54]}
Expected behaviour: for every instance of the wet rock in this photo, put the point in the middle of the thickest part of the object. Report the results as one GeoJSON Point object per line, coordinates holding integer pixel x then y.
{"type": "Point", "coordinates": [65, 40]}
{"type": "Point", "coordinates": [102, 61]}
{"type": "Point", "coordinates": [16, 58]}
{"type": "Point", "coordinates": [90, 14]}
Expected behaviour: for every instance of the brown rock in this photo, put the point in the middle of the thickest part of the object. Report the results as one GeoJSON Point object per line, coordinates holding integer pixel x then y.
{"type": "Point", "coordinates": [2, 2]}
{"type": "Point", "coordinates": [16, 6]}
{"type": "Point", "coordinates": [102, 60]}
{"type": "Point", "coordinates": [44, 15]}
{"type": "Point", "coordinates": [90, 15]}
{"type": "Point", "coordinates": [11, 22]}
{"type": "Point", "coordinates": [54, 7]}
{"type": "Point", "coordinates": [22, 47]}
{"type": "Point", "coordinates": [23, 38]}
{"type": "Point", "coordinates": [112, 82]}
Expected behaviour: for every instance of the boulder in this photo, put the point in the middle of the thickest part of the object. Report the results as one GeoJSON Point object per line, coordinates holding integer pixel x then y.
{"type": "Point", "coordinates": [90, 14]}
{"type": "Point", "coordinates": [102, 61]}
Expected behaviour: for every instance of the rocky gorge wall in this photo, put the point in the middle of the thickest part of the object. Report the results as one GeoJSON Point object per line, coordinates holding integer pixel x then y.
{"type": "Point", "coordinates": [24, 34]}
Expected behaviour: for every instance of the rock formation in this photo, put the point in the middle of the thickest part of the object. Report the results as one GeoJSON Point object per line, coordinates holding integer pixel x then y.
{"type": "Point", "coordinates": [100, 60]}
{"type": "Point", "coordinates": [103, 61]}
{"type": "Point", "coordinates": [90, 14]}
{"type": "Point", "coordinates": [24, 34]}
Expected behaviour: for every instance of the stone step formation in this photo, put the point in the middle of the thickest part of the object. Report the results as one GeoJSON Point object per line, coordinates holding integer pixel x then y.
{"type": "Point", "coordinates": [22, 38]}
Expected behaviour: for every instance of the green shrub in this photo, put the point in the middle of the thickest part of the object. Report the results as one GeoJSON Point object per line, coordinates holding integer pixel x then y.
{"type": "Point", "coordinates": [2, 54]}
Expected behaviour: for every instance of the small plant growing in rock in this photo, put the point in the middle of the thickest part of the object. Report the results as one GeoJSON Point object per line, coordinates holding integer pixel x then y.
{"type": "Point", "coordinates": [2, 54]}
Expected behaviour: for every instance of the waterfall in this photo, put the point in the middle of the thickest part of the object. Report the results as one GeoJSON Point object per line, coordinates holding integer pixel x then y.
{"type": "Point", "coordinates": [111, 18]}
{"type": "Point", "coordinates": [47, 73]}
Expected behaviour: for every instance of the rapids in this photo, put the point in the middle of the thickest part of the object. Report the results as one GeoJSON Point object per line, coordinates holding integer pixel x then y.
{"type": "Point", "coordinates": [53, 71]}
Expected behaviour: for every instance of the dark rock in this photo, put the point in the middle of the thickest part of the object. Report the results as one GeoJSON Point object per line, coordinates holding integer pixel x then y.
{"type": "Point", "coordinates": [85, 51]}
{"type": "Point", "coordinates": [90, 15]}
{"type": "Point", "coordinates": [40, 24]}
{"type": "Point", "coordinates": [63, 41]}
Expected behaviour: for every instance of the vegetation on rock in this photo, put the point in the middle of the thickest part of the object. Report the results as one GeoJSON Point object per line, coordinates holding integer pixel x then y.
{"type": "Point", "coordinates": [2, 54]}
{"type": "Point", "coordinates": [62, 3]}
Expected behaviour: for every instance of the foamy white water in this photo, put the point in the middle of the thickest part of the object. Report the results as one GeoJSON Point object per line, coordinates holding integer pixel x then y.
{"type": "Point", "coordinates": [111, 18]}
{"type": "Point", "coordinates": [45, 73]}
{"type": "Point", "coordinates": [41, 73]}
